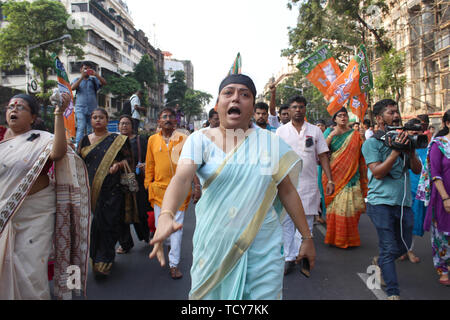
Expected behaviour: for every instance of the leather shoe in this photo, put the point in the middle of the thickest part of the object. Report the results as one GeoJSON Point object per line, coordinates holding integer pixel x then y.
{"type": "Point", "coordinates": [175, 273]}
{"type": "Point", "coordinates": [289, 267]}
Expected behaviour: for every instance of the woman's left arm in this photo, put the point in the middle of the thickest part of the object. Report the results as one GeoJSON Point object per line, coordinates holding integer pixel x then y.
{"type": "Point", "coordinates": [60, 143]}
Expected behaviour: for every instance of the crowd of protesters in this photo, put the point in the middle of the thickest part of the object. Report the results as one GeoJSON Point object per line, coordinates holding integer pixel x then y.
{"type": "Point", "coordinates": [252, 215]}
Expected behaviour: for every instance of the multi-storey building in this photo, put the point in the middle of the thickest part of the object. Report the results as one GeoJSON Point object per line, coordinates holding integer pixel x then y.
{"type": "Point", "coordinates": [421, 29]}
{"type": "Point", "coordinates": [171, 65]}
{"type": "Point", "coordinates": [113, 46]}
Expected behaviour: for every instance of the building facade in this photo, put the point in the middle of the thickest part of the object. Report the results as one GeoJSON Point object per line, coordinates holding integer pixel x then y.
{"type": "Point", "coordinates": [421, 29]}
{"type": "Point", "coordinates": [113, 45]}
{"type": "Point", "coordinates": [172, 65]}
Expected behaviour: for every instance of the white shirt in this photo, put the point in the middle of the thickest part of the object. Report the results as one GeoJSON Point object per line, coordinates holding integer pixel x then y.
{"type": "Point", "coordinates": [135, 101]}
{"type": "Point", "coordinates": [307, 188]}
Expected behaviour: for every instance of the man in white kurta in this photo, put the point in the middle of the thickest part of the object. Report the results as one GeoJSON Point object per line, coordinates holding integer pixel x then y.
{"type": "Point", "coordinates": [311, 146]}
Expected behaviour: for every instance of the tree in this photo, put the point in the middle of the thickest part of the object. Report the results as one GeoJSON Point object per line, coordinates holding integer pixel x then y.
{"type": "Point", "coordinates": [31, 23]}
{"type": "Point", "coordinates": [121, 86]}
{"type": "Point", "coordinates": [177, 89]}
{"type": "Point", "coordinates": [341, 21]}
{"type": "Point", "coordinates": [298, 85]}
{"type": "Point", "coordinates": [194, 101]}
{"type": "Point", "coordinates": [390, 83]}
{"type": "Point", "coordinates": [145, 73]}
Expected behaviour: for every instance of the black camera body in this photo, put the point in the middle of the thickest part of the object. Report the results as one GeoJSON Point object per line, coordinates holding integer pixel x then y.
{"type": "Point", "coordinates": [415, 141]}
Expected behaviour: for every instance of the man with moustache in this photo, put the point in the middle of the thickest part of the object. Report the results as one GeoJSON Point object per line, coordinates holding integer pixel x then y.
{"type": "Point", "coordinates": [213, 118]}
{"type": "Point", "coordinates": [261, 116]}
{"type": "Point", "coordinates": [389, 197]}
{"type": "Point", "coordinates": [309, 143]}
{"type": "Point", "coordinates": [163, 151]}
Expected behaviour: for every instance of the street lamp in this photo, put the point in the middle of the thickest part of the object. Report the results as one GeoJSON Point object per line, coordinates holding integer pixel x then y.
{"type": "Point", "coordinates": [27, 58]}
{"type": "Point", "coordinates": [298, 89]}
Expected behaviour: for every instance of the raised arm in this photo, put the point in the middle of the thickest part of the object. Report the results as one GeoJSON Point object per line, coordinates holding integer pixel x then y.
{"type": "Point", "coordinates": [60, 143]}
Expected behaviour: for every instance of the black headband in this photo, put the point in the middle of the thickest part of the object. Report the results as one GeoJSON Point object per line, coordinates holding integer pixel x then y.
{"type": "Point", "coordinates": [343, 109]}
{"type": "Point", "coordinates": [239, 79]}
{"type": "Point", "coordinates": [32, 103]}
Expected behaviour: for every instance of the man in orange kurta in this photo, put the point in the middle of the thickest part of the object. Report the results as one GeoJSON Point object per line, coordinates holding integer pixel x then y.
{"type": "Point", "coordinates": [163, 151]}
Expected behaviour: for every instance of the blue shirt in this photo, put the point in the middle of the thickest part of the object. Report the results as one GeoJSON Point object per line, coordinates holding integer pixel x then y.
{"type": "Point", "coordinates": [391, 189]}
{"type": "Point", "coordinates": [86, 98]}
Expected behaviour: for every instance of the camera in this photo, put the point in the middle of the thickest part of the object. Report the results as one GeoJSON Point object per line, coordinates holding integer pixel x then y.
{"type": "Point", "coordinates": [419, 141]}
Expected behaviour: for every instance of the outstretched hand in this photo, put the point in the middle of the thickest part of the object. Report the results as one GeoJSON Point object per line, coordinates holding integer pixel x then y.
{"type": "Point", "coordinates": [166, 226]}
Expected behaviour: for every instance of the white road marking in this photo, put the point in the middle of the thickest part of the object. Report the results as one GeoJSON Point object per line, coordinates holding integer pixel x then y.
{"type": "Point", "coordinates": [379, 293]}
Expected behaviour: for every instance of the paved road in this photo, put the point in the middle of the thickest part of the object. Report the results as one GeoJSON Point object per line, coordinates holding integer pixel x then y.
{"type": "Point", "coordinates": [136, 277]}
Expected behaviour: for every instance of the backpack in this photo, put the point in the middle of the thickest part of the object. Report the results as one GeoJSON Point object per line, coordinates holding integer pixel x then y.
{"type": "Point", "coordinates": [127, 108]}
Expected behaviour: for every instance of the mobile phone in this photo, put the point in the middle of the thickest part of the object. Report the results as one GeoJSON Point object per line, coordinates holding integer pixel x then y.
{"type": "Point", "coordinates": [309, 141]}
{"type": "Point", "coordinates": [304, 267]}
{"type": "Point", "coordinates": [90, 72]}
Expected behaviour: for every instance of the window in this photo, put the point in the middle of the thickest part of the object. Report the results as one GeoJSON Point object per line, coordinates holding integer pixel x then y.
{"type": "Point", "coordinates": [79, 7]}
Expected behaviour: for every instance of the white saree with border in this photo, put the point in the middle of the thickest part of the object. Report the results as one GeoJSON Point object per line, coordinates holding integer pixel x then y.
{"type": "Point", "coordinates": [52, 222]}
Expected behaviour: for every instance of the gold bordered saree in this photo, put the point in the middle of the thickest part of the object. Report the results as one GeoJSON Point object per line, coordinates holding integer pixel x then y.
{"type": "Point", "coordinates": [60, 211]}
{"type": "Point", "coordinates": [109, 198]}
{"type": "Point", "coordinates": [239, 201]}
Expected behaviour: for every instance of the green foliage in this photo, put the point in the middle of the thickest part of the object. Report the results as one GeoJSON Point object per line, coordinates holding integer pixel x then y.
{"type": "Point", "coordinates": [145, 72]}
{"type": "Point", "coordinates": [194, 101]}
{"type": "Point", "coordinates": [121, 86]}
{"type": "Point", "coordinates": [298, 85]}
{"type": "Point", "coordinates": [389, 83]}
{"type": "Point", "coordinates": [337, 20]}
{"type": "Point", "coordinates": [32, 23]}
{"type": "Point", "coordinates": [177, 89]}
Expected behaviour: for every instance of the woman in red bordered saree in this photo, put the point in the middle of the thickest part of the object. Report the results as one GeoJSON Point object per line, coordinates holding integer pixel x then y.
{"type": "Point", "coordinates": [41, 214]}
{"type": "Point", "coordinates": [349, 171]}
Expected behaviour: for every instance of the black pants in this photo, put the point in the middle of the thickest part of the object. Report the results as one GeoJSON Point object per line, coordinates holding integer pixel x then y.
{"type": "Point", "coordinates": [136, 125]}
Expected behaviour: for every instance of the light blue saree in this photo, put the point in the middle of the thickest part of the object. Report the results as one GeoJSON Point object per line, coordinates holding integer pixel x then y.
{"type": "Point", "coordinates": [237, 244]}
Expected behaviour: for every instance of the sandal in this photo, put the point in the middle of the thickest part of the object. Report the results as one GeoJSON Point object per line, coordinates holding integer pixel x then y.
{"type": "Point", "coordinates": [413, 258]}
{"type": "Point", "coordinates": [120, 250]}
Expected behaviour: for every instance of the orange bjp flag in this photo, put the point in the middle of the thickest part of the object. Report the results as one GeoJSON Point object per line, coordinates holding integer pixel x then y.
{"type": "Point", "coordinates": [64, 86]}
{"type": "Point", "coordinates": [354, 84]}
{"type": "Point", "coordinates": [320, 69]}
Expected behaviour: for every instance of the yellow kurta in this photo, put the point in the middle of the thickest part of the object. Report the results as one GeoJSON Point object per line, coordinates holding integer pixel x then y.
{"type": "Point", "coordinates": [161, 164]}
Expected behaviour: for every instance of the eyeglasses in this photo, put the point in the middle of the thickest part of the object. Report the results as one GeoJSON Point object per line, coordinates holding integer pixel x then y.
{"type": "Point", "coordinates": [164, 117]}
{"type": "Point", "coordinates": [124, 123]}
{"type": "Point", "coordinates": [343, 115]}
{"type": "Point", "coordinates": [19, 107]}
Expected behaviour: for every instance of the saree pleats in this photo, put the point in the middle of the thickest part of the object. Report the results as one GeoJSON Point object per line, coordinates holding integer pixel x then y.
{"type": "Point", "coordinates": [346, 204]}
{"type": "Point", "coordinates": [108, 197]}
{"type": "Point", "coordinates": [238, 231]}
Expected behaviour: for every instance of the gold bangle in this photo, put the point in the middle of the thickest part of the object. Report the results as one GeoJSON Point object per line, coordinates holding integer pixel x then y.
{"type": "Point", "coordinates": [58, 113]}
{"type": "Point", "coordinates": [331, 182]}
{"type": "Point", "coordinates": [308, 238]}
{"type": "Point", "coordinates": [167, 212]}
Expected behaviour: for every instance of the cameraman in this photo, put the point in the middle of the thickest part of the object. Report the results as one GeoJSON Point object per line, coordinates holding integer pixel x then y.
{"type": "Point", "coordinates": [389, 197]}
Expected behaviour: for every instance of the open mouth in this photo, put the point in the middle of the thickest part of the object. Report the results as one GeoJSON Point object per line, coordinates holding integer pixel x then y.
{"type": "Point", "coordinates": [234, 110]}
{"type": "Point", "coordinates": [13, 117]}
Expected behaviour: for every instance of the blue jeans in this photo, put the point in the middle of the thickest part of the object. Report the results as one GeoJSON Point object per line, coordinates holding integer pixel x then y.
{"type": "Point", "coordinates": [387, 221]}
{"type": "Point", "coordinates": [83, 123]}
